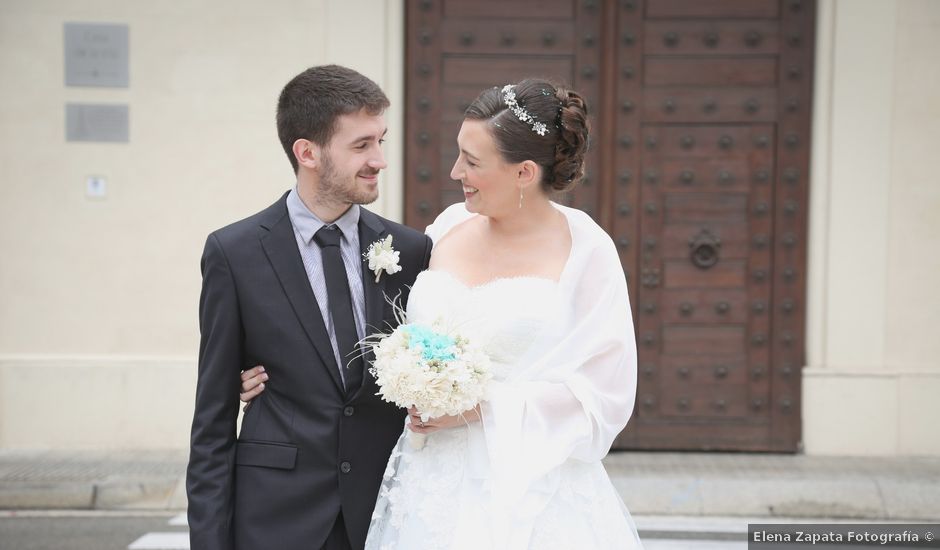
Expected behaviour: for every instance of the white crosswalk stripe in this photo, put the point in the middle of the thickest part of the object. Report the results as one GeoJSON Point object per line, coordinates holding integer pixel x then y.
{"type": "Point", "coordinates": [681, 544]}
{"type": "Point", "coordinates": [161, 541]}
{"type": "Point", "coordinates": [692, 533]}
{"type": "Point", "coordinates": [174, 540]}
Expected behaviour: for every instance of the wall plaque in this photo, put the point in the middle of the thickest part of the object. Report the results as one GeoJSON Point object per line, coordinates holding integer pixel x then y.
{"type": "Point", "coordinates": [96, 55]}
{"type": "Point", "coordinates": [95, 122]}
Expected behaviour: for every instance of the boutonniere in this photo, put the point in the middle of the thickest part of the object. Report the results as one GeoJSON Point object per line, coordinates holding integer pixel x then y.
{"type": "Point", "coordinates": [382, 257]}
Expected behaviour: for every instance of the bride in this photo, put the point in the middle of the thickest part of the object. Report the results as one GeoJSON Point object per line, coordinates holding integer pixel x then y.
{"type": "Point", "coordinates": [539, 286]}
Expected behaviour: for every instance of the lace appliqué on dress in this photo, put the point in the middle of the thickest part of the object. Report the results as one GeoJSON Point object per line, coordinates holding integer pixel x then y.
{"type": "Point", "coordinates": [415, 507]}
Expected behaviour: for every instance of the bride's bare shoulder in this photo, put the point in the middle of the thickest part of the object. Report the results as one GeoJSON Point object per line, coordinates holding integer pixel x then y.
{"type": "Point", "coordinates": [457, 239]}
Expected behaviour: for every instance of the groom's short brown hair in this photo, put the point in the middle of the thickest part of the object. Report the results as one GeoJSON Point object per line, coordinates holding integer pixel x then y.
{"type": "Point", "coordinates": [312, 101]}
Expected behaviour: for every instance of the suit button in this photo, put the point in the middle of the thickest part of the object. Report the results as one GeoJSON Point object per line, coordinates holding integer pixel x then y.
{"type": "Point", "coordinates": [345, 467]}
{"type": "Point", "coordinates": [349, 411]}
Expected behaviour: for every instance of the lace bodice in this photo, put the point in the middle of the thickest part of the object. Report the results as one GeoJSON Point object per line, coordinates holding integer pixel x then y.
{"type": "Point", "coordinates": [503, 316]}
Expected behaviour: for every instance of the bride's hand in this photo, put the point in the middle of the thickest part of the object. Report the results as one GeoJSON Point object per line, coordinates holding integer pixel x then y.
{"type": "Point", "coordinates": [252, 383]}
{"type": "Point", "coordinates": [441, 422]}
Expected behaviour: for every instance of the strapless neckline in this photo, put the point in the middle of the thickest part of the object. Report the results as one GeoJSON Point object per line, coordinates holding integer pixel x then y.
{"type": "Point", "coordinates": [503, 316]}
{"type": "Point", "coordinates": [488, 284]}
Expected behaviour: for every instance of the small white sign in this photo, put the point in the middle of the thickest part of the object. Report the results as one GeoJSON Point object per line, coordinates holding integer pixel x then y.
{"type": "Point", "coordinates": [96, 187]}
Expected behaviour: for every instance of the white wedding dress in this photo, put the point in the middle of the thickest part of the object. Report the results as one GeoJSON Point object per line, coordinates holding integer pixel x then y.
{"type": "Point", "coordinates": [524, 477]}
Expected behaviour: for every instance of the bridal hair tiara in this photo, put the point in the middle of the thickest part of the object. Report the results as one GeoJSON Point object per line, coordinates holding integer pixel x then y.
{"type": "Point", "coordinates": [509, 98]}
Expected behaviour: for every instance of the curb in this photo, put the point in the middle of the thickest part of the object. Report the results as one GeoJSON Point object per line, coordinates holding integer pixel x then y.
{"type": "Point", "coordinates": [118, 493]}
{"type": "Point", "coordinates": [860, 499]}
{"type": "Point", "coordinates": [651, 484]}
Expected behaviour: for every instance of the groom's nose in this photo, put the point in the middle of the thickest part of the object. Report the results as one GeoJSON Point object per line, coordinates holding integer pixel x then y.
{"type": "Point", "coordinates": [377, 162]}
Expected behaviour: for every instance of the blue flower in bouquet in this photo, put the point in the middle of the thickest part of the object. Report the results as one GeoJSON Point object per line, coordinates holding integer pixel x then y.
{"type": "Point", "coordinates": [437, 371]}
{"type": "Point", "coordinates": [434, 346]}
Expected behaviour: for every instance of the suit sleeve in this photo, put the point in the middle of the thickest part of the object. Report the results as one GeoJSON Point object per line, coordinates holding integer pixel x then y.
{"type": "Point", "coordinates": [426, 259]}
{"type": "Point", "coordinates": [210, 475]}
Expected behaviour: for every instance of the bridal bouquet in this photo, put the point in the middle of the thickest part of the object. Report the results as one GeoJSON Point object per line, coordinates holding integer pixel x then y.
{"type": "Point", "coordinates": [439, 372]}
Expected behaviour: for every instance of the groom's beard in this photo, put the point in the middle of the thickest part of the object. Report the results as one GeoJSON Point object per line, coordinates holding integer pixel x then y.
{"type": "Point", "coordinates": [344, 189]}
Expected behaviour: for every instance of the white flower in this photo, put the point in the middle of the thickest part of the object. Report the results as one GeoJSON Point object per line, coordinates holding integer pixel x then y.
{"type": "Point", "coordinates": [449, 385]}
{"type": "Point", "coordinates": [539, 128]}
{"type": "Point", "coordinates": [382, 257]}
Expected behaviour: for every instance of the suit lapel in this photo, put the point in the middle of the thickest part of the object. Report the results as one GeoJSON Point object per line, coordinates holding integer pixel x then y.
{"type": "Point", "coordinates": [371, 229]}
{"type": "Point", "coordinates": [280, 246]}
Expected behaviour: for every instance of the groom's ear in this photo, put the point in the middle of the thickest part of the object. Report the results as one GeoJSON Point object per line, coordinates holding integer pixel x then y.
{"type": "Point", "coordinates": [307, 153]}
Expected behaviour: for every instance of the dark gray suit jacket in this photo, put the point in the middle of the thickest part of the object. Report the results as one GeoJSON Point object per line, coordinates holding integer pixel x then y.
{"type": "Point", "coordinates": [306, 450]}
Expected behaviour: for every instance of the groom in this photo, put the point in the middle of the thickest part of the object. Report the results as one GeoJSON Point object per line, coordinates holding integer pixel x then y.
{"type": "Point", "coordinates": [289, 288]}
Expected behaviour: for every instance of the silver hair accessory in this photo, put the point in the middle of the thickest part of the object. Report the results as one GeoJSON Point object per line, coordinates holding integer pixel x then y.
{"type": "Point", "coordinates": [509, 98]}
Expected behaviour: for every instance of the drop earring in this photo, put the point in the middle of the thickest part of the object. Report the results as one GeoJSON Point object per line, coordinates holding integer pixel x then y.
{"type": "Point", "coordinates": [520, 199]}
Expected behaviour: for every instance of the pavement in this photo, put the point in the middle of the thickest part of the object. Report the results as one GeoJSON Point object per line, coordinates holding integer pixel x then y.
{"type": "Point", "coordinates": [652, 484]}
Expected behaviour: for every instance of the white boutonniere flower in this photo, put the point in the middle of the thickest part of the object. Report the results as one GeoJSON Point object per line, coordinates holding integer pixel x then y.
{"type": "Point", "coordinates": [382, 257]}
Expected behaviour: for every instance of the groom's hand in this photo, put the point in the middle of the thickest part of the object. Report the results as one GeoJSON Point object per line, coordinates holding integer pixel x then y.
{"type": "Point", "coordinates": [442, 422]}
{"type": "Point", "coordinates": [252, 383]}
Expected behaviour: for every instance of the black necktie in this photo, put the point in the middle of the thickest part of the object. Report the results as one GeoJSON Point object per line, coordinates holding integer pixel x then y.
{"type": "Point", "coordinates": [339, 301]}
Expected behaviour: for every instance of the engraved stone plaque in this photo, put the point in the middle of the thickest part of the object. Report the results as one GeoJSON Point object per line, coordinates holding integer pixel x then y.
{"type": "Point", "coordinates": [96, 55]}
{"type": "Point", "coordinates": [94, 122]}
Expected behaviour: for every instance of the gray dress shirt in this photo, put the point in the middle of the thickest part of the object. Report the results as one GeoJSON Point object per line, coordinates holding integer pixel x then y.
{"type": "Point", "coordinates": [306, 224]}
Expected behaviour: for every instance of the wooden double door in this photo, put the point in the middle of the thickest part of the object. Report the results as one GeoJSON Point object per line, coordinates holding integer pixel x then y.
{"type": "Point", "coordinates": [700, 113]}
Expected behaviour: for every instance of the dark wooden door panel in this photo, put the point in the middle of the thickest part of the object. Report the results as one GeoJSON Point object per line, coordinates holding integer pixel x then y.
{"type": "Point", "coordinates": [675, 240]}
{"type": "Point", "coordinates": [704, 208]}
{"type": "Point", "coordinates": [485, 71]}
{"type": "Point", "coordinates": [708, 433]}
{"type": "Point", "coordinates": [698, 170]}
{"type": "Point", "coordinates": [706, 370]}
{"type": "Point", "coordinates": [712, 142]}
{"type": "Point", "coordinates": [725, 71]}
{"type": "Point", "coordinates": [525, 37]}
{"type": "Point", "coordinates": [695, 340]}
{"type": "Point", "coordinates": [707, 175]}
{"type": "Point", "coordinates": [705, 401]}
{"type": "Point", "coordinates": [508, 9]}
{"type": "Point", "coordinates": [707, 104]}
{"type": "Point", "coordinates": [705, 306]}
{"type": "Point", "coordinates": [725, 274]}
{"type": "Point", "coordinates": [747, 37]}
{"type": "Point", "coordinates": [712, 9]}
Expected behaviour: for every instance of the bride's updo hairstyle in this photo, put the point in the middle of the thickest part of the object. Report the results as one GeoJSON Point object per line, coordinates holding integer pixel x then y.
{"type": "Point", "coordinates": [535, 120]}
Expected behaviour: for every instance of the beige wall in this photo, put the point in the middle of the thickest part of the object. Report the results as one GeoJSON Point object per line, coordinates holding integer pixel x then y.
{"type": "Point", "coordinates": [873, 376]}
{"type": "Point", "coordinates": [98, 298]}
